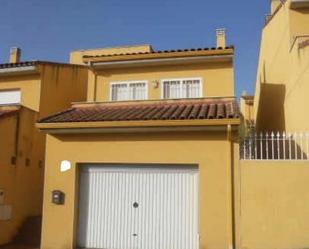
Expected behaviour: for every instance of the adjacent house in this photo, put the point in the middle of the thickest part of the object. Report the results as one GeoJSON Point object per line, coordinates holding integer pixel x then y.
{"type": "Point", "coordinates": [273, 174]}
{"type": "Point", "coordinates": [29, 90]}
{"type": "Point", "coordinates": [283, 74]}
{"type": "Point", "coordinates": [147, 161]}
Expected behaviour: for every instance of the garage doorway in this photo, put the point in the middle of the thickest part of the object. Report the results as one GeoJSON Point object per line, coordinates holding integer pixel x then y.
{"type": "Point", "coordinates": [138, 207]}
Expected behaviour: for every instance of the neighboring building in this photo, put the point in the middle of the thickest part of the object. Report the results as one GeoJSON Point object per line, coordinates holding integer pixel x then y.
{"type": "Point", "coordinates": [28, 92]}
{"type": "Point", "coordinates": [282, 85]}
{"type": "Point", "coordinates": [272, 178]}
{"type": "Point", "coordinates": [246, 109]}
{"type": "Point", "coordinates": [147, 161]}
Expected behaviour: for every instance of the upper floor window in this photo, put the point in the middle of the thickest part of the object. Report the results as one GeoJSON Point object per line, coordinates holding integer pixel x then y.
{"type": "Point", "coordinates": [181, 88]}
{"type": "Point", "coordinates": [135, 90]}
{"type": "Point", "coordinates": [8, 97]}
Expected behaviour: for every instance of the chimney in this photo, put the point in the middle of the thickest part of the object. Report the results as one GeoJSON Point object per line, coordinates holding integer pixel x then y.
{"type": "Point", "coordinates": [15, 55]}
{"type": "Point", "coordinates": [274, 5]}
{"type": "Point", "coordinates": [220, 38]}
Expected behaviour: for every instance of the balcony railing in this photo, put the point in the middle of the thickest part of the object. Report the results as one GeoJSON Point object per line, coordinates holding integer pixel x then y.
{"type": "Point", "coordinates": [275, 146]}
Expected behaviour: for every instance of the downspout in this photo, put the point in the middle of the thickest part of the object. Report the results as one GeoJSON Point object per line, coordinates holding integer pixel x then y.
{"type": "Point", "coordinates": [95, 87]}
{"type": "Point", "coordinates": [231, 190]}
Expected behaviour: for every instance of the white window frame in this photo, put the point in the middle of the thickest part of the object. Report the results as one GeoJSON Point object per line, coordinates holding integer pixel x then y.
{"type": "Point", "coordinates": [182, 79]}
{"type": "Point", "coordinates": [128, 83]}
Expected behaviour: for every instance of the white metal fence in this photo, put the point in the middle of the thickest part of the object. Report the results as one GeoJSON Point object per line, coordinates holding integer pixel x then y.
{"type": "Point", "coordinates": [275, 146]}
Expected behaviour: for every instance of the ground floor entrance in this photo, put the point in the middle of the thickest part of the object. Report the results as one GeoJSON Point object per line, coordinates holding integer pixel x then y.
{"type": "Point", "coordinates": [138, 207]}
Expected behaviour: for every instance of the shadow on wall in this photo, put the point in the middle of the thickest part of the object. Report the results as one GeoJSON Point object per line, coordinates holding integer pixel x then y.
{"type": "Point", "coordinates": [270, 116]}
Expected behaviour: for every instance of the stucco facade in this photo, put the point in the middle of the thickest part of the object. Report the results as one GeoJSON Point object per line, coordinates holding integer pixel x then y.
{"type": "Point", "coordinates": [241, 204]}
{"type": "Point", "coordinates": [273, 204]}
{"type": "Point", "coordinates": [152, 131]}
{"type": "Point", "coordinates": [202, 148]}
{"type": "Point", "coordinates": [217, 79]}
{"type": "Point", "coordinates": [282, 76]}
{"type": "Point", "coordinates": [44, 88]}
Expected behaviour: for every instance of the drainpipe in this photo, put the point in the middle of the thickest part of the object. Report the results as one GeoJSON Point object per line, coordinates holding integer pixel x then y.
{"type": "Point", "coordinates": [231, 190]}
{"type": "Point", "coordinates": [95, 86]}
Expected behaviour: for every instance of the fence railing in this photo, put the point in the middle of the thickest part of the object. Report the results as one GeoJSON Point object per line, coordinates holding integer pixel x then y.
{"type": "Point", "coordinates": [275, 146]}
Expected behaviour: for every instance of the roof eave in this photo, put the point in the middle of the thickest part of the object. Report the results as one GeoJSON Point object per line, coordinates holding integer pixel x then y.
{"type": "Point", "coordinates": [10, 110]}
{"type": "Point", "coordinates": [24, 70]}
{"type": "Point", "coordinates": [163, 61]}
{"type": "Point", "coordinates": [137, 130]}
{"type": "Point", "coordinates": [125, 57]}
{"type": "Point", "coordinates": [127, 125]}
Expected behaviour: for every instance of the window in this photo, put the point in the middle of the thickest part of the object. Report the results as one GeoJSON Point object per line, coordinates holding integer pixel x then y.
{"type": "Point", "coordinates": [128, 91]}
{"type": "Point", "coordinates": [10, 97]}
{"type": "Point", "coordinates": [181, 88]}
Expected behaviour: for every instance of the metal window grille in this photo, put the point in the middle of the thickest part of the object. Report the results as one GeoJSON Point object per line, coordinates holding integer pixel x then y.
{"type": "Point", "coordinates": [128, 91]}
{"type": "Point", "coordinates": [175, 89]}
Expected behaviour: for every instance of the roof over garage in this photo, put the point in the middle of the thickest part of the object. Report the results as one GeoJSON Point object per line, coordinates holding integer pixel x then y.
{"type": "Point", "coordinates": [162, 113]}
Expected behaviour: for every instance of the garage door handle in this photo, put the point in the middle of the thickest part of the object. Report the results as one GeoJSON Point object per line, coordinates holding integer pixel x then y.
{"type": "Point", "coordinates": [134, 234]}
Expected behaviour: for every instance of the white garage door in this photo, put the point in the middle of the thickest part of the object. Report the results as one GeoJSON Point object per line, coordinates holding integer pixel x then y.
{"type": "Point", "coordinates": [138, 207]}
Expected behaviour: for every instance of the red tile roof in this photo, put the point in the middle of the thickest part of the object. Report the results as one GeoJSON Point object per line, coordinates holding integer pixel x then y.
{"type": "Point", "coordinates": [149, 110]}
{"type": "Point", "coordinates": [159, 52]}
{"type": "Point", "coordinates": [4, 113]}
{"type": "Point", "coordinates": [34, 63]}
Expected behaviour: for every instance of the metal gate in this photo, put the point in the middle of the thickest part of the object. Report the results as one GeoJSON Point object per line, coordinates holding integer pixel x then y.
{"type": "Point", "coordinates": [138, 207]}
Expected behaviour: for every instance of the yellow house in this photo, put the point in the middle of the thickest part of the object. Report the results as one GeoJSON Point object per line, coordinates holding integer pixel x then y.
{"type": "Point", "coordinates": [147, 161]}
{"type": "Point", "coordinates": [281, 95]}
{"type": "Point", "coordinates": [272, 179]}
{"type": "Point", "coordinates": [29, 91]}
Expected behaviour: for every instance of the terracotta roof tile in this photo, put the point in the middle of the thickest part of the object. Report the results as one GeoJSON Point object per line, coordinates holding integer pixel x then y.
{"type": "Point", "coordinates": [34, 63]}
{"type": "Point", "coordinates": [4, 113]}
{"type": "Point", "coordinates": [149, 110]}
{"type": "Point", "coordinates": [159, 52]}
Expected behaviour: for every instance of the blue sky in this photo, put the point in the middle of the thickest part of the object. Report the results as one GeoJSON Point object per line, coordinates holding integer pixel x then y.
{"type": "Point", "coordinates": [50, 29]}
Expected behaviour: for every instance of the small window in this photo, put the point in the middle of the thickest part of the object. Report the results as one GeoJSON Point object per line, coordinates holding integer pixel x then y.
{"type": "Point", "coordinates": [181, 88]}
{"type": "Point", "coordinates": [128, 91]}
{"type": "Point", "coordinates": [10, 97]}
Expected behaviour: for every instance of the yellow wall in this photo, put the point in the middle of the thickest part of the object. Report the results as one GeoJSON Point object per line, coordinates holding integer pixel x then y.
{"type": "Point", "coordinates": [274, 204]}
{"type": "Point", "coordinates": [274, 5]}
{"type": "Point", "coordinates": [299, 22]}
{"type": "Point", "coordinates": [51, 91]}
{"type": "Point", "coordinates": [23, 181]}
{"type": "Point", "coordinates": [246, 109]}
{"type": "Point", "coordinates": [76, 57]}
{"type": "Point", "coordinates": [7, 143]}
{"type": "Point", "coordinates": [283, 72]}
{"type": "Point", "coordinates": [217, 78]}
{"type": "Point", "coordinates": [62, 85]}
{"type": "Point", "coordinates": [29, 85]}
{"type": "Point", "coordinates": [210, 150]}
